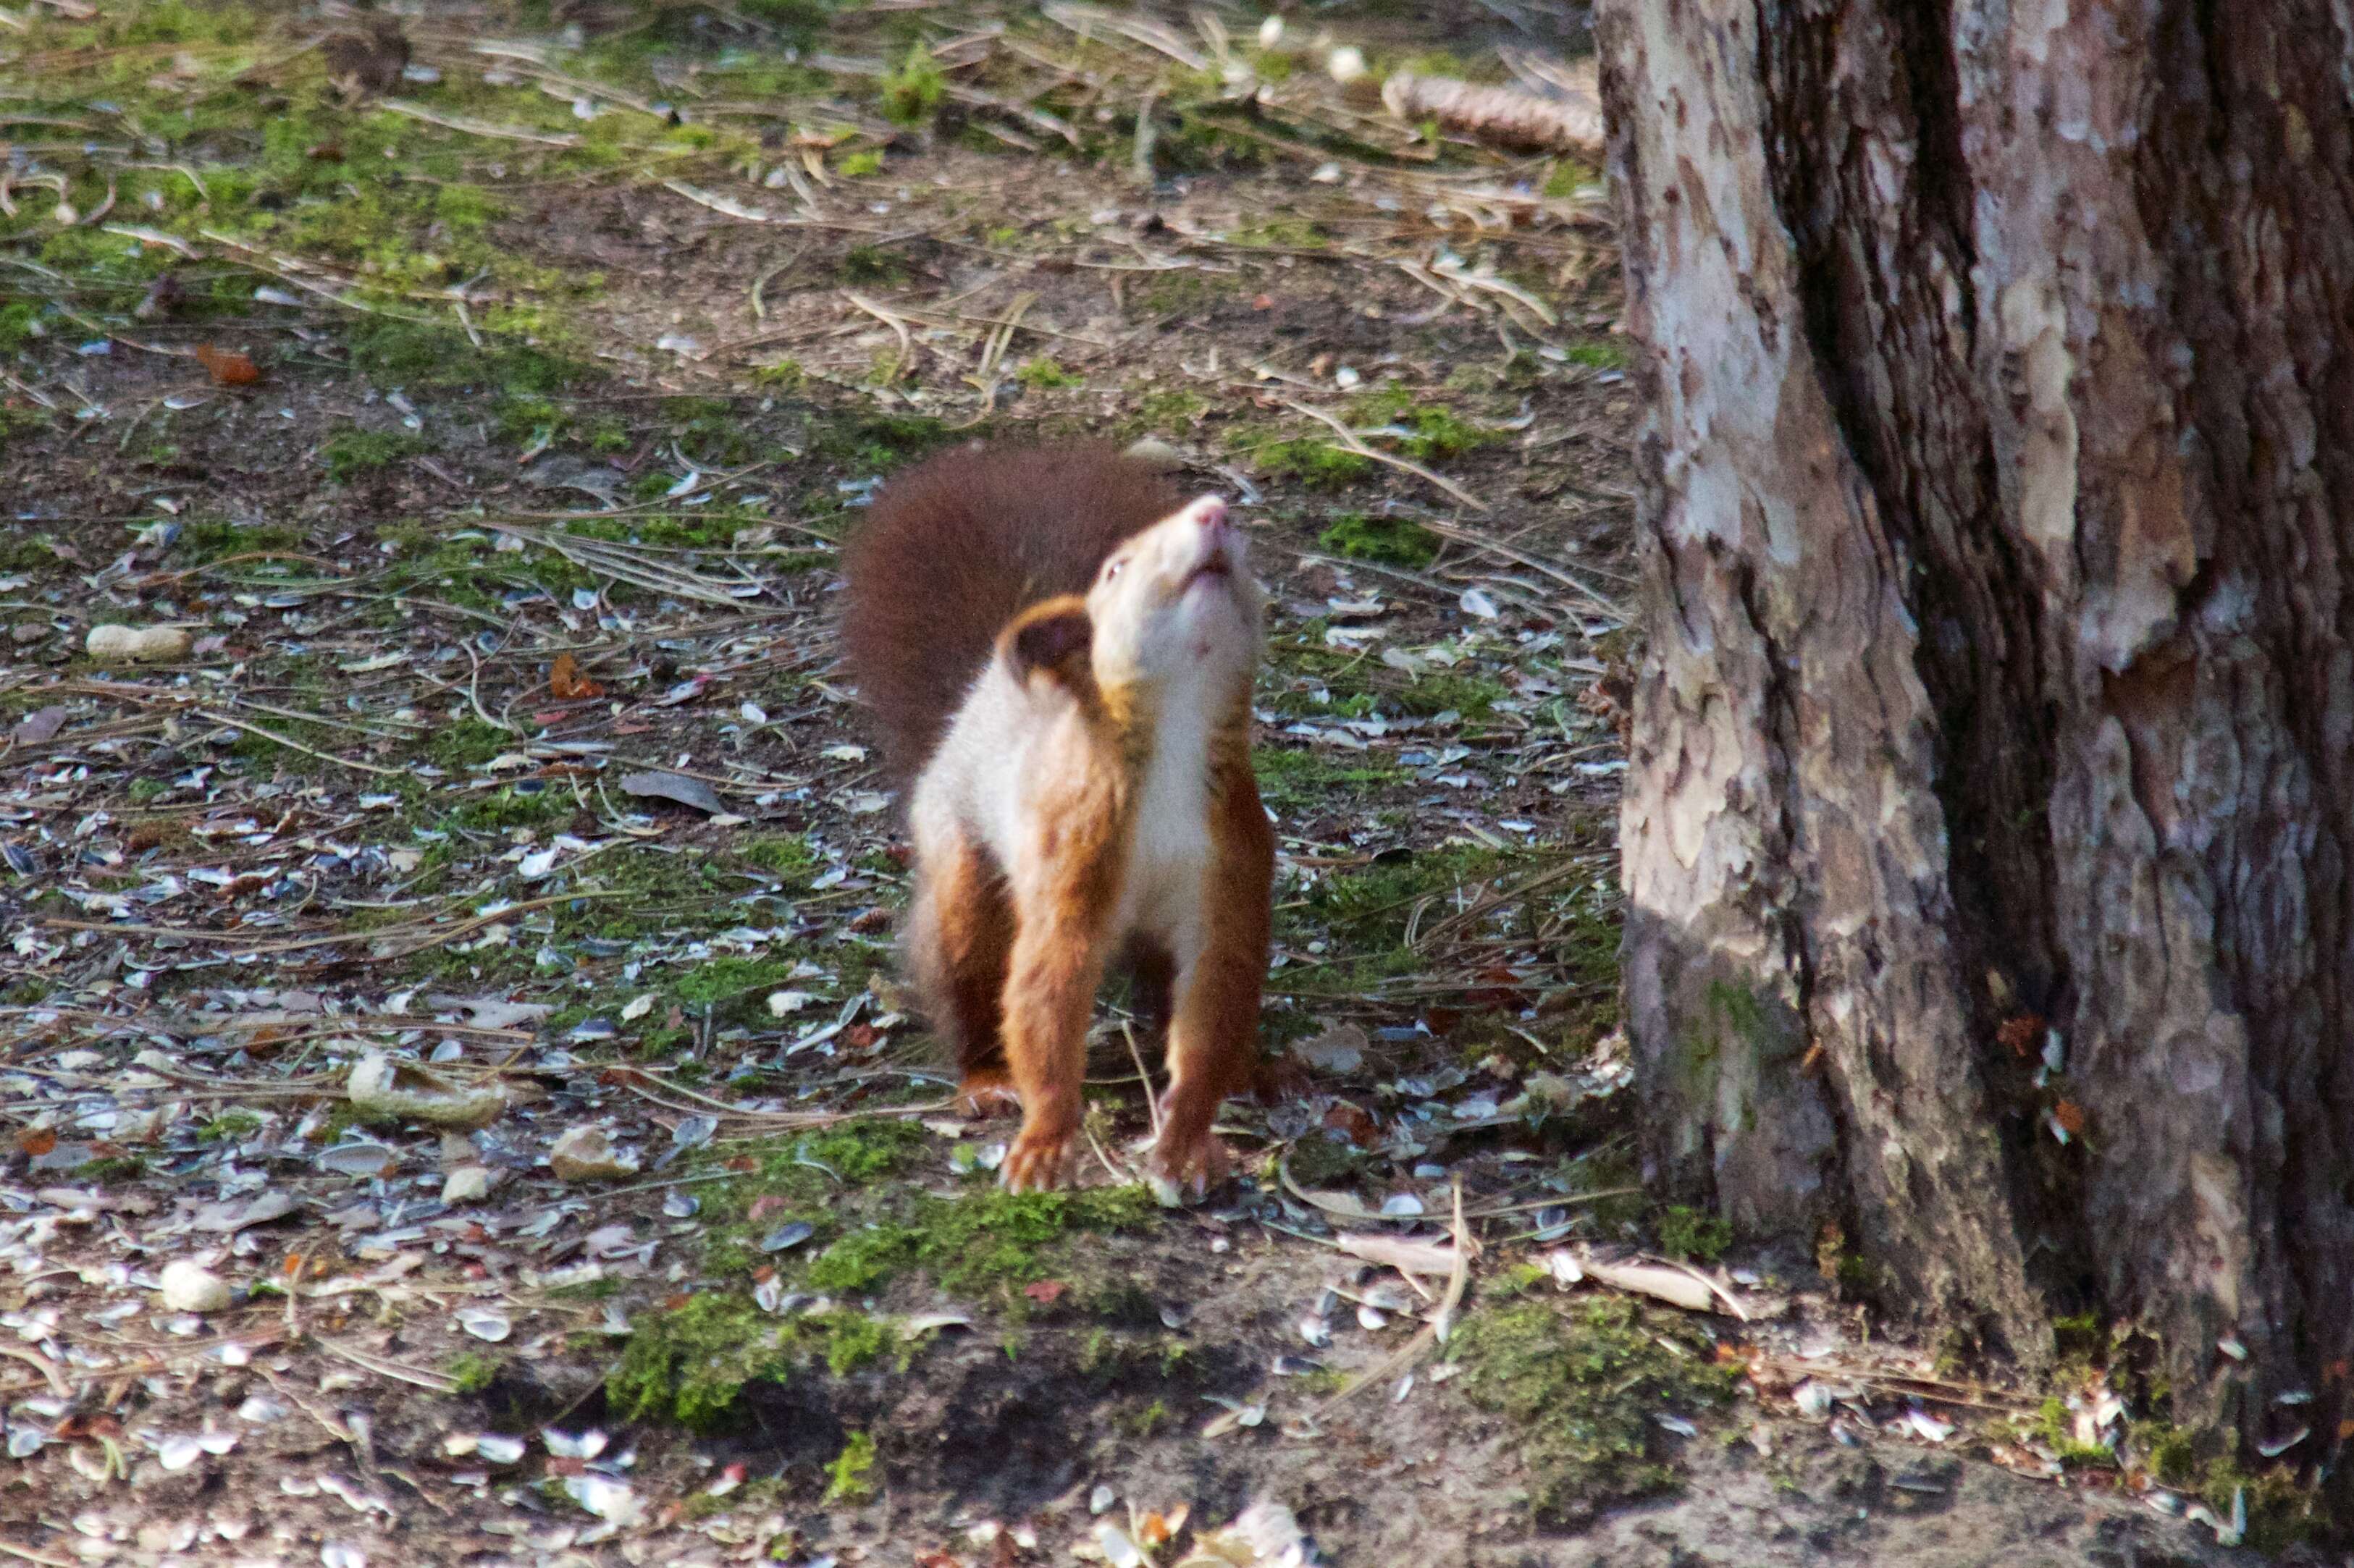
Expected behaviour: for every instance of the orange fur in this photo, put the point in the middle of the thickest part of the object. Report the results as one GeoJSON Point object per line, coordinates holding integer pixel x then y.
{"type": "Point", "coordinates": [959, 942]}
{"type": "Point", "coordinates": [1063, 900]}
{"type": "Point", "coordinates": [1092, 797]}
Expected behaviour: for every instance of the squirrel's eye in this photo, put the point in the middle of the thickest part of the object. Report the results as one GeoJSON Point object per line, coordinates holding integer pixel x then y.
{"type": "Point", "coordinates": [1111, 569]}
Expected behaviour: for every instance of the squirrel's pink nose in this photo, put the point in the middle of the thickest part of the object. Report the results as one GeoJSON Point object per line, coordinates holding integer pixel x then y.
{"type": "Point", "coordinates": [1210, 512]}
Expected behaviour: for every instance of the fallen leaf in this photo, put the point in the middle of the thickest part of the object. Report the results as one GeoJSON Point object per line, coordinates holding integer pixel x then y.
{"type": "Point", "coordinates": [40, 724]}
{"type": "Point", "coordinates": [587, 1154]}
{"type": "Point", "coordinates": [1405, 1256]}
{"type": "Point", "coordinates": [229, 366]}
{"type": "Point", "coordinates": [1340, 1049]}
{"type": "Point", "coordinates": [1045, 1292]}
{"type": "Point", "coordinates": [675, 787]}
{"type": "Point", "coordinates": [383, 1087]}
{"type": "Point", "coordinates": [1353, 1122]}
{"type": "Point", "coordinates": [1669, 1285]}
{"type": "Point", "coordinates": [1266, 1534]}
{"type": "Point", "coordinates": [568, 685]}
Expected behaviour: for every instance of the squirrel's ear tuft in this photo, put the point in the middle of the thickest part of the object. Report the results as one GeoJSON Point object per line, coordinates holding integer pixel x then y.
{"type": "Point", "coordinates": [1052, 637]}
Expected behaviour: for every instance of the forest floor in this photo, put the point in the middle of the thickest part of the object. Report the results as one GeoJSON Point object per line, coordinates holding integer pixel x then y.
{"type": "Point", "coordinates": [482, 395]}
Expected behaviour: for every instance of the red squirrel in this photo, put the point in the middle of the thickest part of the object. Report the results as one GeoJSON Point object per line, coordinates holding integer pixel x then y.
{"type": "Point", "coordinates": [1057, 649]}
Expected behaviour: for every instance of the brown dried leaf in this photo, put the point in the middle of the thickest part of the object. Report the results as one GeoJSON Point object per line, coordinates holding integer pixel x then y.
{"type": "Point", "coordinates": [568, 685]}
{"type": "Point", "coordinates": [229, 366]}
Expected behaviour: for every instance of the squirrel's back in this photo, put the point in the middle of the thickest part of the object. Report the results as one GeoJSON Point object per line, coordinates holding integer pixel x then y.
{"type": "Point", "coordinates": [955, 548]}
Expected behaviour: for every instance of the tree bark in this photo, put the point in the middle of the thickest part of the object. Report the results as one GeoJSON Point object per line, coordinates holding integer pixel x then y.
{"type": "Point", "coordinates": [1999, 484]}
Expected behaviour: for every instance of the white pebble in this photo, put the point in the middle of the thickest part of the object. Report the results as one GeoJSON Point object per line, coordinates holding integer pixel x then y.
{"type": "Point", "coordinates": [192, 1288]}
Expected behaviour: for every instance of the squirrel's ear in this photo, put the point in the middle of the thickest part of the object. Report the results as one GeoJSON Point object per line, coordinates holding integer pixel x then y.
{"type": "Point", "coordinates": [1052, 637]}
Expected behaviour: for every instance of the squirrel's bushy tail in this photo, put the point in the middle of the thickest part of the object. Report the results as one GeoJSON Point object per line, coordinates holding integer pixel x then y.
{"type": "Point", "coordinates": [956, 547]}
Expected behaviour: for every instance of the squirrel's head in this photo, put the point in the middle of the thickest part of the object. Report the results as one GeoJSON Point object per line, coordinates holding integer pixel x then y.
{"type": "Point", "coordinates": [1174, 608]}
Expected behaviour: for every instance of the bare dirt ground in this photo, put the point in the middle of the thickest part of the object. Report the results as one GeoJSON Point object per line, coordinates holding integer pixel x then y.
{"type": "Point", "coordinates": [480, 395]}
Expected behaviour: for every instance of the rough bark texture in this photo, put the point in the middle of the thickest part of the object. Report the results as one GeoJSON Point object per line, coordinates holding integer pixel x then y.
{"type": "Point", "coordinates": [2000, 477]}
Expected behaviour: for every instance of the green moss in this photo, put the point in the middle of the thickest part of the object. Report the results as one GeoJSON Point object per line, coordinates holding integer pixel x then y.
{"type": "Point", "coordinates": [229, 1126]}
{"type": "Point", "coordinates": [209, 538]}
{"type": "Point", "coordinates": [690, 1362]}
{"type": "Point", "coordinates": [845, 1478]}
{"type": "Point", "coordinates": [1177, 294]}
{"type": "Point", "coordinates": [787, 856]}
{"type": "Point", "coordinates": [874, 264]}
{"type": "Point", "coordinates": [783, 376]}
{"type": "Point", "coordinates": [1438, 433]}
{"type": "Point", "coordinates": [2282, 1510]}
{"type": "Point", "coordinates": [800, 1177]}
{"type": "Point", "coordinates": [1294, 779]}
{"type": "Point", "coordinates": [1600, 354]}
{"type": "Point", "coordinates": [854, 1341]}
{"type": "Point", "coordinates": [913, 90]}
{"type": "Point", "coordinates": [858, 165]}
{"type": "Point", "coordinates": [709, 431]}
{"type": "Point", "coordinates": [988, 1243]}
{"type": "Point", "coordinates": [1318, 464]}
{"type": "Point", "coordinates": [2057, 1430]}
{"type": "Point", "coordinates": [471, 1372]}
{"type": "Point", "coordinates": [2169, 1452]}
{"type": "Point", "coordinates": [1044, 374]}
{"type": "Point", "coordinates": [1584, 1385]}
{"type": "Point", "coordinates": [417, 354]}
{"type": "Point", "coordinates": [1686, 1231]}
{"type": "Point", "coordinates": [2082, 1339]}
{"type": "Point", "coordinates": [1375, 901]}
{"type": "Point", "coordinates": [351, 452]}
{"type": "Point", "coordinates": [468, 742]}
{"type": "Point", "coordinates": [879, 441]}
{"type": "Point", "coordinates": [1169, 408]}
{"type": "Point", "coordinates": [512, 807]}
{"type": "Point", "coordinates": [1397, 541]}
{"type": "Point", "coordinates": [18, 320]}
{"type": "Point", "coordinates": [1427, 432]}
{"type": "Point", "coordinates": [731, 979]}
{"type": "Point", "coordinates": [1567, 178]}
{"type": "Point", "coordinates": [1283, 233]}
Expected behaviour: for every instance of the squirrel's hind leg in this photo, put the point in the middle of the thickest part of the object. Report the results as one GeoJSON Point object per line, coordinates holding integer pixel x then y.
{"type": "Point", "coordinates": [960, 944]}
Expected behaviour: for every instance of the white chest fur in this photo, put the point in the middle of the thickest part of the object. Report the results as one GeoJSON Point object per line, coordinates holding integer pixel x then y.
{"type": "Point", "coordinates": [1168, 863]}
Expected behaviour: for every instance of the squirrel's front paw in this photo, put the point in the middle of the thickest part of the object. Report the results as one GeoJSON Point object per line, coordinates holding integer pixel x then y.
{"type": "Point", "coordinates": [1180, 1169]}
{"type": "Point", "coordinates": [1040, 1159]}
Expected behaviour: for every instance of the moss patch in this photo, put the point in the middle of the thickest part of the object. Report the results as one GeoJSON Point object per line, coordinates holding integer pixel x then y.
{"type": "Point", "coordinates": [988, 1244]}
{"type": "Point", "coordinates": [1396, 541]}
{"type": "Point", "coordinates": [690, 1362]}
{"type": "Point", "coordinates": [845, 1478]}
{"type": "Point", "coordinates": [1686, 1231]}
{"type": "Point", "coordinates": [1585, 1384]}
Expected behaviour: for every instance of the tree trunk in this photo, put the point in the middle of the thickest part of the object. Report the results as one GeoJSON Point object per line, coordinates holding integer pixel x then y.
{"type": "Point", "coordinates": [1998, 488]}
